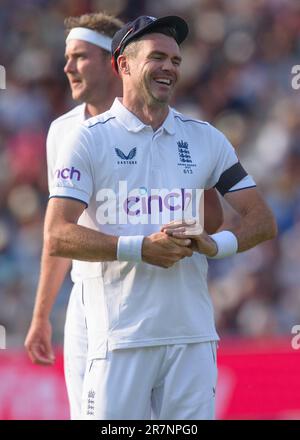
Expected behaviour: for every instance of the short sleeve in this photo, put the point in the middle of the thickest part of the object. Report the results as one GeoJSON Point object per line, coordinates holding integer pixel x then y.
{"type": "Point", "coordinates": [227, 172]}
{"type": "Point", "coordinates": [51, 154]}
{"type": "Point", "coordinates": [73, 172]}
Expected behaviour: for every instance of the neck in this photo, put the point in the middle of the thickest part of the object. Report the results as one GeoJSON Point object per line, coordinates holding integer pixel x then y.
{"type": "Point", "coordinates": [150, 114]}
{"type": "Point", "coordinates": [95, 108]}
{"type": "Point", "coordinates": [100, 101]}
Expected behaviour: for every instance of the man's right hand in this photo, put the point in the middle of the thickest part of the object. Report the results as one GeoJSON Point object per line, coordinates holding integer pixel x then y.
{"type": "Point", "coordinates": [161, 250]}
{"type": "Point", "coordinates": [38, 342]}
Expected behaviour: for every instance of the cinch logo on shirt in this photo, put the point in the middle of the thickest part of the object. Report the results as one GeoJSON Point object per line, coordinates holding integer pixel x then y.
{"type": "Point", "coordinates": [67, 173]}
{"type": "Point", "coordinates": [148, 206]}
{"type": "Point", "coordinates": [126, 159]}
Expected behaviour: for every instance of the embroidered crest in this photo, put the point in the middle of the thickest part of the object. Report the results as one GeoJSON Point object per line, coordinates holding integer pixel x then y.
{"type": "Point", "coordinates": [185, 157]}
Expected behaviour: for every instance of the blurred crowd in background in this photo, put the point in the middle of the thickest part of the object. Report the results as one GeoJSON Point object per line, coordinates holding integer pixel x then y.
{"type": "Point", "coordinates": [236, 74]}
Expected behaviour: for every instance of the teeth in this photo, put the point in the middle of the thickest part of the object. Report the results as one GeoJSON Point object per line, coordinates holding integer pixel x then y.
{"type": "Point", "coordinates": [164, 81]}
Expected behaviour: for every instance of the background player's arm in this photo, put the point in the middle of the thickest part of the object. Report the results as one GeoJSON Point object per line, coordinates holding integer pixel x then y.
{"type": "Point", "coordinates": [63, 237]}
{"type": "Point", "coordinates": [52, 274]}
{"type": "Point", "coordinates": [38, 339]}
{"type": "Point", "coordinates": [213, 212]}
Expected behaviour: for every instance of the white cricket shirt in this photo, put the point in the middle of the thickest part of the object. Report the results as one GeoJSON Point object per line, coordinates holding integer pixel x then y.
{"type": "Point", "coordinates": [59, 130]}
{"type": "Point", "coordinates": [132, 179]}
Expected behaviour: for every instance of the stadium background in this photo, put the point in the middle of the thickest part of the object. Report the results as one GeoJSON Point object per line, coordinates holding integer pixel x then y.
{"type": "Point", "coordinates": [237, 75]}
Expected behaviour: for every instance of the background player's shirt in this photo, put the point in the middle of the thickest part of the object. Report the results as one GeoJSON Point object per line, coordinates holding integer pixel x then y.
{"type": "Point", "coordinates": [58, 132]}
{"type": "Point", "coordinates": [132, 180]}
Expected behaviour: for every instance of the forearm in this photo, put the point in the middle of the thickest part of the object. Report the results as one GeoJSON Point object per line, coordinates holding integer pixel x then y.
{"type": "Point", "coordinates": [256, 222]}
{"type": "Point", "coordinates": [52, 274]}
{"type": "Point", "coordinates": [81, 243]}
{"type": "Point", "coordinates": [213, 212]}
{"type": "Point", "coordinates": [63, 237]}
{"type": "Point", "coordinates": [254, 228]}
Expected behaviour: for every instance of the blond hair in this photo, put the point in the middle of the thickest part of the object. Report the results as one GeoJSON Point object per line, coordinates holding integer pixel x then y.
{"type": "Point", "coordinates": [99, 21]}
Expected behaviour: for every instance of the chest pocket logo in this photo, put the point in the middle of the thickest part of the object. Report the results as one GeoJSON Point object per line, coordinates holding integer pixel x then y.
{"type": "Point", "coordinates": [126, 159]}
{"type": "Point", "coordinates": [185, 159]}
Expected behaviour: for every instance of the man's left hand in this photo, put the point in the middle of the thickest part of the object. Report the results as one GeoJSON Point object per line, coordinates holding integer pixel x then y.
{"type": "Point", "coordinates": [201, 241]}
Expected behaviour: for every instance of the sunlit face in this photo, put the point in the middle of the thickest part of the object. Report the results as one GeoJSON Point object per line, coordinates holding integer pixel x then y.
{"type": "Point", "coordinates": [154, 68]}
{"type": "Point", "coordinates": [85, 65]}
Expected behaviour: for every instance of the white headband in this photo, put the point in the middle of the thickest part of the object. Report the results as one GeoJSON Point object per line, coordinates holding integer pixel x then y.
{"type": "Point", "coordinates": [94, 37]}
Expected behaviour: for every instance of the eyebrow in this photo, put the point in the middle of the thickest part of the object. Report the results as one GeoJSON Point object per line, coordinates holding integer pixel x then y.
{"type": "Point", "coordinates": [157, 52]}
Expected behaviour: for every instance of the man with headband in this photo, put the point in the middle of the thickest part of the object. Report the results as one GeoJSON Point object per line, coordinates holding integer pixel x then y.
{"type": "Point", "coordinates": [88, 69]}
{"type": "Point", "coordinates": [151, 332]}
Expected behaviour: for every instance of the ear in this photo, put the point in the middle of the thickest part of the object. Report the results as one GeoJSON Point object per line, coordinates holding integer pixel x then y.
{"type": "Point", "coordinates": [123, 65]}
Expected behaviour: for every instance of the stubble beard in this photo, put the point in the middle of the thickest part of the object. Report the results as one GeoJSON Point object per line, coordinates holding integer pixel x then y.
{"type": "Point", "coordinates": [151, 99]}
{"type": "Point", "coordinates": [78, 94]}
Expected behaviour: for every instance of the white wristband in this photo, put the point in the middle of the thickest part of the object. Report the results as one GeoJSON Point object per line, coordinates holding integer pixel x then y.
{"type": "Point", "coordinates": [226, 242]}
{"type": "Point", "coordinates": [130, 248]}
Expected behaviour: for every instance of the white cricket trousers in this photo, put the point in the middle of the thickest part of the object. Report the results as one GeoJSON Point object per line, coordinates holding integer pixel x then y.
{"type": "Point", "coordinates": [167, 382]}
{"type": "Point", "coordinates": [75, 350]}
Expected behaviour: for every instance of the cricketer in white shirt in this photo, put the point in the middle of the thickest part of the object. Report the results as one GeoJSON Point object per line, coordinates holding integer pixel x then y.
{"type": "Point", "coordinates": [112, 163]}
{"type": "Point", "coordinates": [150, 324]}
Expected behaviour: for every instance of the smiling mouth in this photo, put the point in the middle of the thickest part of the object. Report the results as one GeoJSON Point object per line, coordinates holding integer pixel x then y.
{"type": "Point", "coordinates": [163, 81]}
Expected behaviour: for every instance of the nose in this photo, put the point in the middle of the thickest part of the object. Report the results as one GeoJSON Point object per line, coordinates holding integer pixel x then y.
{"type": "Point", "coordinates": [168, 65]}
{"type": "Point", "coordinates": [69, 66]}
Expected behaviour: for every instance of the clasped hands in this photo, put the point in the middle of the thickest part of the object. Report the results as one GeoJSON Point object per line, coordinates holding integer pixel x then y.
{"type": "Point", "coordinates": [189, 229]}
{"type": "Point", "coordinates": [175, 241]}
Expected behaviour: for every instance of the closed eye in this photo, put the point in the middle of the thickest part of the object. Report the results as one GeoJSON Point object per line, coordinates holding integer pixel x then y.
{"type": "Point", "coordinates": [176, 60]}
